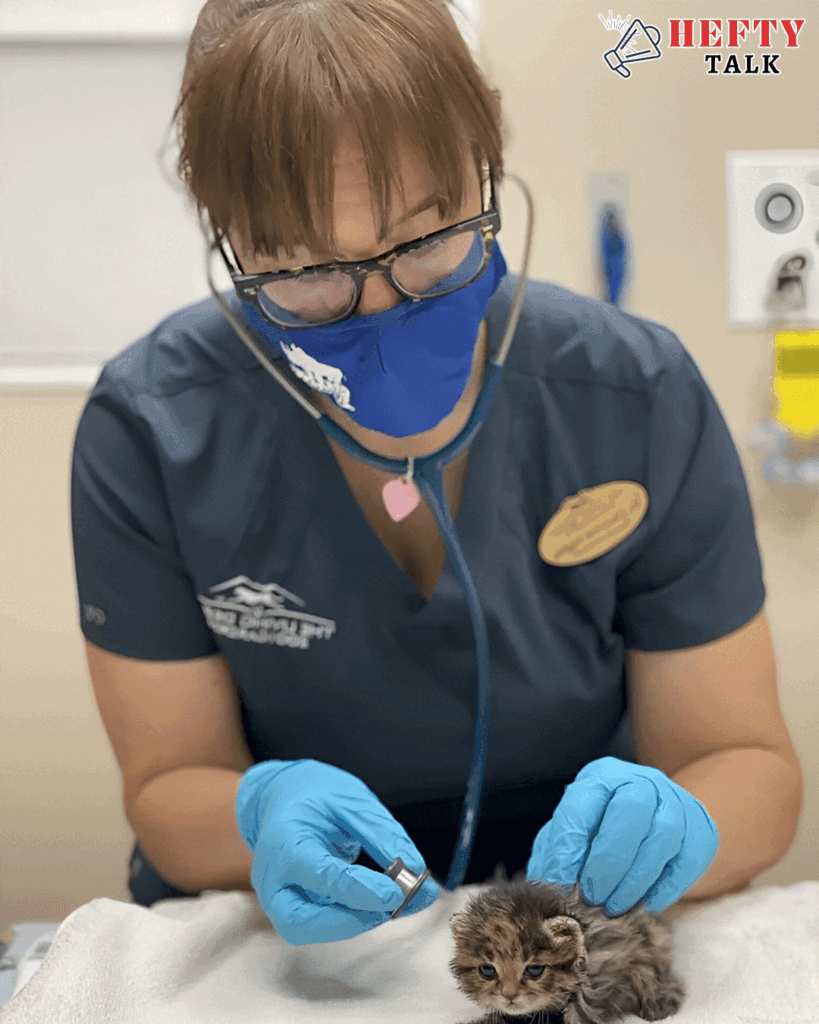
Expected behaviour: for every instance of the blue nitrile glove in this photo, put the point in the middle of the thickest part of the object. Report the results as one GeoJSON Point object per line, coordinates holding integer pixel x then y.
{"type": "Point", "coordinates": [627, 833]}
{"type": "Point", "coordinates": [305, 823]}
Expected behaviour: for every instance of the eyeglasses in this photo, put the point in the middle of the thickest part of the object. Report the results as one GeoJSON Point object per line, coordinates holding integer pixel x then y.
{"type": "Point", "coordinates": [426, 268]}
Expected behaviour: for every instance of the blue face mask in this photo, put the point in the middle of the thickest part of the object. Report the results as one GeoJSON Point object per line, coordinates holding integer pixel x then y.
{"type": "Point", "coordinates": [401, 371]}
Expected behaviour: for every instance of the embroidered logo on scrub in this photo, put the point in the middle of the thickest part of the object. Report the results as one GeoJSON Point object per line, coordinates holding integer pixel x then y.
{"type": "Point", "coordinates": [592, 522]}
{"type": "Point", "coordinates": [257, 612]}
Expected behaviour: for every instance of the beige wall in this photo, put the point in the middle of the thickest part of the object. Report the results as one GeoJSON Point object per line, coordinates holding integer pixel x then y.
{"type": "Point", "coordinates": [64, 836]}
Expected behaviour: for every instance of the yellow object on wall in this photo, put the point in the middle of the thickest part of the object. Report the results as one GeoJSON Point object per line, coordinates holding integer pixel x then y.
{"type": "Point", "coordinates": [796, 382]}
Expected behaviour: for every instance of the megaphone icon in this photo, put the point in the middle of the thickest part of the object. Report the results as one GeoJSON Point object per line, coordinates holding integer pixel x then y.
{"type": "Point", "coordinates": [622, 54]}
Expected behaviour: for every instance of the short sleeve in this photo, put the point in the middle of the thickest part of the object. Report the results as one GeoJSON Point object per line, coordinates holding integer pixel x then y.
{"type": "Point", "coordinates": [699, 575]}
{"type": "Point", "coordinates": [135, 597]}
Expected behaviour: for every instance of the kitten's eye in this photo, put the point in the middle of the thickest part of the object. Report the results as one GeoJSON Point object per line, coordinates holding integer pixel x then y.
{"type": "Point", "coordinates": [535, 970]}
{"type": "Point", "coordinates": [487, 971]}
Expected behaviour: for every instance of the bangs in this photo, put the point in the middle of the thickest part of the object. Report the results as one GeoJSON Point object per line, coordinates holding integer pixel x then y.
{"type": "Point", "coordinates": [267, 86]}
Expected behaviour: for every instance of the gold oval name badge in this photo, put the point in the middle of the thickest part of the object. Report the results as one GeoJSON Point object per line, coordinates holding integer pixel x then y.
{"type": "Point", "coordinates": [592, 522]}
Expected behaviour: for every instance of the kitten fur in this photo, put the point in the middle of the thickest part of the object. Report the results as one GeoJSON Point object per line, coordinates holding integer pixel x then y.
{"type": "Point", "coordinates": [596, 969]}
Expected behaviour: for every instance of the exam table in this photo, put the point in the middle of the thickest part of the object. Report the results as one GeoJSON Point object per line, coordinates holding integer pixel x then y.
{"type": "Point", "coordinates": [749, 958]}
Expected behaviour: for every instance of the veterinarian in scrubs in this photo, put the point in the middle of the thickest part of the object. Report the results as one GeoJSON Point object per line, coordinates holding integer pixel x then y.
{"type": "Point", "coordinates": [287, 675]}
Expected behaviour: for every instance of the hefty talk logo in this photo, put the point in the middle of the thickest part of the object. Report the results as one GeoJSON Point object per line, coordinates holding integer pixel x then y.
{"type": "Point", "coordinates": [709, 34]}
{"type": "Point", "coordinates": [641, 42]}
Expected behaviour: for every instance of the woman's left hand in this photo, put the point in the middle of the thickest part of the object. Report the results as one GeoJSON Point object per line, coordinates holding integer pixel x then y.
{"type": "Point", "coordinates": [627, 833]}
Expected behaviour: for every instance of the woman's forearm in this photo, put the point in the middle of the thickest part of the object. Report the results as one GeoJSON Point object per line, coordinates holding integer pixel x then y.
{"type": "Point", "coordinates": [754, 796]}
{"type": "Point", "coordinates": [185, 822]}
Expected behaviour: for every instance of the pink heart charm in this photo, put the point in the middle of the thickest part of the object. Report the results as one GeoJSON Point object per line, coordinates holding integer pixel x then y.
{"type": "Point", "coordinates": [400, 497]}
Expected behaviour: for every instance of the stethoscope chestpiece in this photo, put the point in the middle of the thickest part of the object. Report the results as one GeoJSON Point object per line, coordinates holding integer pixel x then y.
{"type": "Point", "coordinates": [406, 881]}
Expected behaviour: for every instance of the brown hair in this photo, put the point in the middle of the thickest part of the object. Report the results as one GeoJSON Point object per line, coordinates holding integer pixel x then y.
{"type": "Point", "coordinates": [267, 82]}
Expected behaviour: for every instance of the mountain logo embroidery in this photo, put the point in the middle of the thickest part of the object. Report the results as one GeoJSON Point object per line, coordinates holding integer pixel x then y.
{"type": "Point", "coordinates": [592, 522]}
{"type": "Point", "coordinates": [262, 613]}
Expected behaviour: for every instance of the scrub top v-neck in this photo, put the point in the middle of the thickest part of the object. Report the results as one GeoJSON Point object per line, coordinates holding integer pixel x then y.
{"type": "Point", "coordinates": [210, 515]}
{"type": "Point", "coordinates": [397, 589]}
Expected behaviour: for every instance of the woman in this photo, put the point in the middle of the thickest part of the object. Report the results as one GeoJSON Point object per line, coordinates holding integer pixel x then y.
{"type": "Point", "coordinates": [282, 656]}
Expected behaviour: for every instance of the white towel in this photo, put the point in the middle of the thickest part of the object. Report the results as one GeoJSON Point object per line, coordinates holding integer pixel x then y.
{"type": "Point", "coordinates": [751, 958]}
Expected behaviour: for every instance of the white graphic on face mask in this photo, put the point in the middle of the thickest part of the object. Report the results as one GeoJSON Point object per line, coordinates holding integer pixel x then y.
{"type": "Point", "coordinates": [319, 376]}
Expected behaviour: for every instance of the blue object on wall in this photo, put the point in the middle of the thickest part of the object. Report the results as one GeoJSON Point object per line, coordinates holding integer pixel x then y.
{"type": "Point", "coordinates": [613, 254]}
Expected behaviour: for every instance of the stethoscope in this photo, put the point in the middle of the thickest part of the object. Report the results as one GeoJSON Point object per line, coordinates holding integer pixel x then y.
{"type": "Point", "coordinates": [427, 472]}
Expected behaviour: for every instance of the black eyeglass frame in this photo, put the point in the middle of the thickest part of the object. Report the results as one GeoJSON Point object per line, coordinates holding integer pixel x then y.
{"type": "Point", "coordinates": [247, 286]}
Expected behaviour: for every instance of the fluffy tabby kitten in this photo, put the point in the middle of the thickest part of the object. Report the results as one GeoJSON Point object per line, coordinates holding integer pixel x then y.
{"type": "Point", "coordinates": [524, 948]}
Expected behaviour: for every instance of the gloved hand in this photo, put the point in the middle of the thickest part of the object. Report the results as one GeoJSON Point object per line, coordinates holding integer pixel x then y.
{"type": "Point", "coordinates": [305, 823]}
{"type": "Point", "coordinates": [628, 833]}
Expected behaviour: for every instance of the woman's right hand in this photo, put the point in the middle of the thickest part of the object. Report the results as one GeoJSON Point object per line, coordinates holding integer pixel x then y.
{"type": "Point", "coordinates": [305, 823]}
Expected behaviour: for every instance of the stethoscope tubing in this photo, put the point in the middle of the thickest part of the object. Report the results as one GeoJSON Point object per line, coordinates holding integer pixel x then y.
{"type": "Point", "coordinates": [427, 471]}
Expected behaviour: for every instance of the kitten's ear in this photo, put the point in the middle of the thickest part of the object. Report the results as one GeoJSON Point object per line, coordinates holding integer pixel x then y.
{"type": "Point", "coordinates": [457, 925]}
{"type": "Point", "coordinates": [564, 938]}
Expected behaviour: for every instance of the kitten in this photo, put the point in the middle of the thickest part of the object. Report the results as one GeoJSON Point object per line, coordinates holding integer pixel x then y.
{"type": "Point", "coordinates": [525, 948]}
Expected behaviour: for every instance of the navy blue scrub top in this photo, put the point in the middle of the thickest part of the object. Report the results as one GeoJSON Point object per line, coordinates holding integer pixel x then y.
{"type": "Point", "coordinates": [210, 515]}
